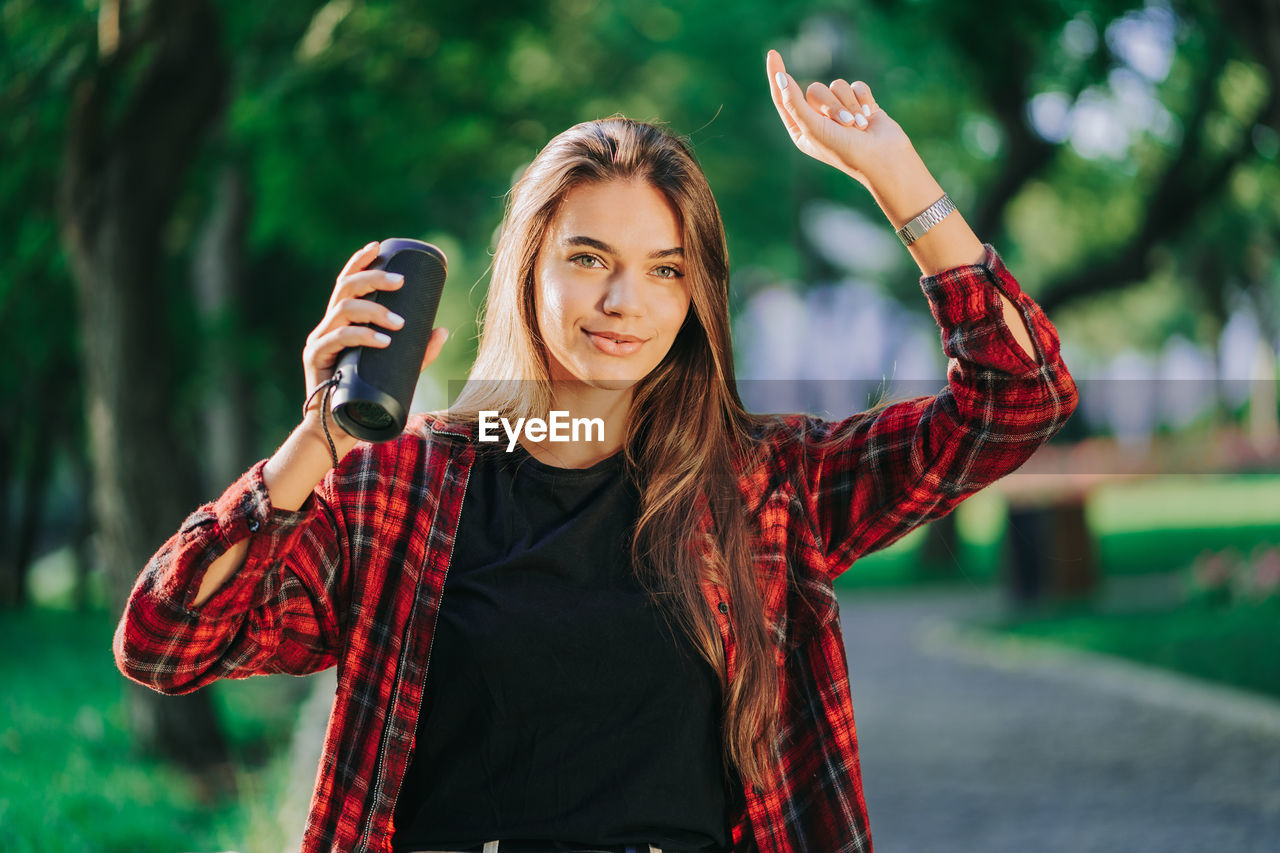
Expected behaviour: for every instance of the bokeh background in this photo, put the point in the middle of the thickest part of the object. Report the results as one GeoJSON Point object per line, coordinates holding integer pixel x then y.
{"type": "Point", "coordinates": [181, 182]}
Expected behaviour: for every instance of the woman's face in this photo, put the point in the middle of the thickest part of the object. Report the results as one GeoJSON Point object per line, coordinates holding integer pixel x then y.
{"type": "Point", "coordinates": [610, 292]}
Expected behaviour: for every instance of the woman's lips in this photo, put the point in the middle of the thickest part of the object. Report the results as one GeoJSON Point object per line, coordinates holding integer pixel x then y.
{"type": "Point", "coordinates": [608, 345]}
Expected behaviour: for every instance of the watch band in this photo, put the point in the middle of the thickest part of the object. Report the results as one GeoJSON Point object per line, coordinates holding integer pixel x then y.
{"type": "Point", "coordinates": [932, 215]}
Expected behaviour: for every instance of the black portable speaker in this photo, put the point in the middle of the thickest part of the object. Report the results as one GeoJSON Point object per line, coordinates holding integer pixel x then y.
{"type": "Point", "coordinates": [371, 398]}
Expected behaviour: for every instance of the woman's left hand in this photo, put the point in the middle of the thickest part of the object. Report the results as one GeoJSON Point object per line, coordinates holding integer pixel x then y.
{"type": "Point", "coordinates": [840, 125]}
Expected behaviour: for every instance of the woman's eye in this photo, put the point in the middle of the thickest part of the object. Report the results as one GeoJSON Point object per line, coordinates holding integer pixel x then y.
{"type": "Point", "coordinates": [593, 262]}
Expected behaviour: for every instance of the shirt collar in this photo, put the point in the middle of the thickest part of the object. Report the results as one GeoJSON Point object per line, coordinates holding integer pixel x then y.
{"type": "Point", "coordinates": [442, 424]}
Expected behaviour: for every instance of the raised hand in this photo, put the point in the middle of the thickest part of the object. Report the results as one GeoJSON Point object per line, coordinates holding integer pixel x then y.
{"type": "Point", "coordinates": [840, 125]}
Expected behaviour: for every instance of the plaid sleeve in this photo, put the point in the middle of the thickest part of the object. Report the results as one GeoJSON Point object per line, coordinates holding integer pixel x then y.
{"type": "Point", "coordinates": [875, 476]}
{"type": "Point", "coordinates": [278, 613]}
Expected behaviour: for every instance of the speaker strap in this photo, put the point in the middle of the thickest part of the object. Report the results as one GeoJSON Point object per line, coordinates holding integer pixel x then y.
{"type": "Point", "coordinates": [327, 386]}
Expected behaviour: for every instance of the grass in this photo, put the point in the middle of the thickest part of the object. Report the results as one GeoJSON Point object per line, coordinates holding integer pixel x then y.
{"type": "Point", "coordinates": [1237, 644]}
{"type": "Point", "coordinates": [70, 778]}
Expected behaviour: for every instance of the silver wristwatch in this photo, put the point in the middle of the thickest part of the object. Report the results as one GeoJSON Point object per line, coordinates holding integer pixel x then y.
{"type": "Point", "coordinates": [932, 215]}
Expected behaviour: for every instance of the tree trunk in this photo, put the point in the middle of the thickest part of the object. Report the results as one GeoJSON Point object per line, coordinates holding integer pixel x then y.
{"type": "Point", "coordinates": [218, 276]}
{"type": "Point", "coordinates": [127, 155]}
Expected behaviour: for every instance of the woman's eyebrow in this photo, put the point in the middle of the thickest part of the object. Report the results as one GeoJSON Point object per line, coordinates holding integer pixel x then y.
{"type": "Point", "coordinates": [580, 240]}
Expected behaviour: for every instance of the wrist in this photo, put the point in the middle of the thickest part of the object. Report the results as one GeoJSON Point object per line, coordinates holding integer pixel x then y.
{"type": "Point", "coordinates": [904, 187]}
{"type": "Point", "coordinates": [302, 462]}
{"type": "Point", "coordinates": [343, 442]}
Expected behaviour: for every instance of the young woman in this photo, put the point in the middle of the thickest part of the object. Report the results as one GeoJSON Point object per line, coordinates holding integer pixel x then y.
{"type": "Point", "coordinates": [628, 640]}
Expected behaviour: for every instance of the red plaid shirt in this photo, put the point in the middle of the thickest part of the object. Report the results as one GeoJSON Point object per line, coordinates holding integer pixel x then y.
{"type": "Point", "coordinates": [354, 577]}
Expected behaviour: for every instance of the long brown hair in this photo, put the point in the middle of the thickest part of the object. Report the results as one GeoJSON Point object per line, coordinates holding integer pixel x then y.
{"type": "Point", "coordinates": [680, 470]}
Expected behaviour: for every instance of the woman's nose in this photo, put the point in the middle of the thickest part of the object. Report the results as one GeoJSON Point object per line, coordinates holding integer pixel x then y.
{"type": "Point", "coordinates": [622, 293]}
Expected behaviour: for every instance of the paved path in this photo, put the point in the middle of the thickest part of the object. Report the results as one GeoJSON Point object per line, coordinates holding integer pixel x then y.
{"type": "Point", "coordinates": [962, 753]}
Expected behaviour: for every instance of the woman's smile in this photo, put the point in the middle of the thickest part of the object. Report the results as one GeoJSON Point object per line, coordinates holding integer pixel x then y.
{"type": "Point", "coordinates": [615, 344]}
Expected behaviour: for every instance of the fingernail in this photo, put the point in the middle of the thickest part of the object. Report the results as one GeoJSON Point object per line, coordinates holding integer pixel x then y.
{"type": "Point", "coordinates": [395, 320]}
{"type": "Point", "coordinates": [381, 338]}
{"type": "Point", "coordinates": [845, 116]}
{"type": "Point", "coordinates": [860, 121]}
{"type": "Point", "coordinates": [866, 110]}
{"type": "Point", "coordinates": [396, 277]}
{"type": "Point", "coordinates": [781, 77]}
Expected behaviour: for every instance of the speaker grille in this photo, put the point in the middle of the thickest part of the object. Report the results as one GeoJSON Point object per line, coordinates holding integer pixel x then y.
{"type": "Point", "coordinates": [369, 415]}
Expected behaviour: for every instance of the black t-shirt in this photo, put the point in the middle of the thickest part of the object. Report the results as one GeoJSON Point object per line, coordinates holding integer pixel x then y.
{"type": "Point", "coordinates": [558, 703]}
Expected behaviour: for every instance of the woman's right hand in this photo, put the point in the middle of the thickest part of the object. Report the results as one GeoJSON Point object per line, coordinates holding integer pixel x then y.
{"type": "Point", "coordinates": [339, 330]}
{"type": "Point", "coordinates": [840, 125]}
